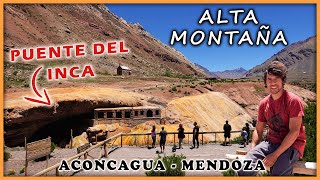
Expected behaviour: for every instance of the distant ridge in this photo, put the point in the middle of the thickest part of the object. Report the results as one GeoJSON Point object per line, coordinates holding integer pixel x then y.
{"type": "Point", "coordinates": [211, 74]}
{"type": "Point", "coordinates": [300, 59]}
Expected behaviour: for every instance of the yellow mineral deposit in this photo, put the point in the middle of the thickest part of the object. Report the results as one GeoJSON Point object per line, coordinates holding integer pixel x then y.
{"type": "Point", "coordinates": [210, 111]}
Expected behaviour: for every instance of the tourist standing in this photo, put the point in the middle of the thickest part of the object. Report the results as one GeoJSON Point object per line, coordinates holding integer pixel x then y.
{"type": "Point", "coordinates": [163, 138]}
{"type": "Point", "coordinates": [181, 135]}
{"type": "Point", "coordinates": [195, 135]}
{"type": "Point", "coordinates": [227, 132]}
{"type": "Point", "coordinates": [248, 132]}
{"type": "Point", "coordinates": [244, 136]}
{"type": "Point", "coordinates": [153, 136]}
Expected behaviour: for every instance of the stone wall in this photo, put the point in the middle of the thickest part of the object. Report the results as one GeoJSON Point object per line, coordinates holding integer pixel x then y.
{"type": "Point", "coordinates": [130, 122]}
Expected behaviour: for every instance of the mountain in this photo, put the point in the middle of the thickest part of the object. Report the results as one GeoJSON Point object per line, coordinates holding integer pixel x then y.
{"type": "Point", "coordinates": [235, 73]}
{"type": "Point", "coordinates": [211, 74]}
{"type": "Point", "coordinates": [300, 59]}
{"type": "Point", "coordinates": [27, 26]}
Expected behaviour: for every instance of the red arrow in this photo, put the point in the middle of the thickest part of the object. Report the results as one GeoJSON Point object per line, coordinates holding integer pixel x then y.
{"type": "Point", "coordinates": [34, 88]}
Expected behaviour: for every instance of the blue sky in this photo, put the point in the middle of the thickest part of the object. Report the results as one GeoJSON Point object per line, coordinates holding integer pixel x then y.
{"type": "Point", "coordinates": [298, 22]}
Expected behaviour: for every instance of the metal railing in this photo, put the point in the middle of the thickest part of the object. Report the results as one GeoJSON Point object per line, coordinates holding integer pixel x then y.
{"type": "Point", "coordinates": [189, 136]}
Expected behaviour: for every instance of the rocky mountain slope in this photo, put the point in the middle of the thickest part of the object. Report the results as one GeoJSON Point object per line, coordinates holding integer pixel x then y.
{"type": "Point", "coordinates": [300, 58]}
{"type": "Point", "coordinates": [234, 73]}
{"type": "Point", "coordinates": [27, 26]}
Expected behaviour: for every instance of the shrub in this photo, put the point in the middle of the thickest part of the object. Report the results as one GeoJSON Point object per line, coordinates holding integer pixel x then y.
{"type": "Point", "coordinates": [174, 88]}
{"type": "Point", "coordinates": [237, 140]}
{"type": "Point", "coordinates": [167, 161]}
{"type": "Point", "coordinates": [184, 76]}
{"type": "Point", "coordinates": [229, 172]}
{"type": "Point", "coordinates": [243, 105]}
{"type": "Point", "coordinates": [202, 83]}
{"type": "Point", "coordinates": [6, 156]}
{"type": "Point", "coordinates": [53, 146]}
{"type": "Point", "coordinates": [212, 81]}
{"type": "Point", "coordinates": [310, 124]}
{"type": "Point", "coordinates": [22, 170]}
{"type": "Point", "coordinates": [259, 88]}
{"type": "Point", "coordinates": [265, 173]}
{"type": "Point", "coordinates": [11, 172]}
{"type": "Point", "coordinates": [167, 73]}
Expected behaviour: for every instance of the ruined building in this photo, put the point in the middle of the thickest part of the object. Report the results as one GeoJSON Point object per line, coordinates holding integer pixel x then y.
{"type": "Point", "coordinates": [129, 115]}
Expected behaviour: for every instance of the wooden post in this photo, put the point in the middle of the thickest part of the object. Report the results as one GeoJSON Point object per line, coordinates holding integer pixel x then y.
{"type": "Point", "coordinates": [135, 140]}
{"type": "Point", "coordinates": [47, 157]}
{"type": "Point", "coordinates": [57, 171]}
{"type": "Point", "coordinates": [188, 140]}
{"type": "Point", "coordinates": [105, 150]}
{"type": "Point", "coordinates": [121, 140]}
{"type": "Point", "coordinates": [71, 139]}
{"type": "Point", "coordinates": [26, 163]}
{"type": "Point", "coordinates": [85, 155]}
{"type": "Point", "coordinates": [147, 140]}
{"type": "Point", "coordinates": [215, 137]}
{"type": "Point", "coordinates": [174, 138]}
{"type": "Point", "coordinates": [202, 139]}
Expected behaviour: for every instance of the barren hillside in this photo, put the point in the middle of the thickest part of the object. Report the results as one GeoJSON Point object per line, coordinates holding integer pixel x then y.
{"type": "Point", "coordinates": [27, 26]}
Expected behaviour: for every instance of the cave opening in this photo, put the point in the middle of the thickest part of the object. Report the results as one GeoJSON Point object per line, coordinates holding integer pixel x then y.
{"type": "Point", "coordinates": [60, 130]}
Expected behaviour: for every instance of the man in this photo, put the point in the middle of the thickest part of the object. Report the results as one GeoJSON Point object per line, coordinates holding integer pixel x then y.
{"type": "Point", "coordinates": [244, 136]}
{"type": "Point", "coordinates": [248, 132]}
{"type": "Point", "coordinates": [195, 135]}
{"type": "Point", "coordinates": [163, 138]}
{"type": "Point", "coordinates": [227, 132]}
{"type": "Point", "coordinates": [282, 111]}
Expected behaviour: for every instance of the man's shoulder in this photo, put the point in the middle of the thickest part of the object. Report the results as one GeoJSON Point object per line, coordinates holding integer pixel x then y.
{"type": "Point", "coordinates": [292, 97]}
{"type": "Point", "coordinates": [264, 100]}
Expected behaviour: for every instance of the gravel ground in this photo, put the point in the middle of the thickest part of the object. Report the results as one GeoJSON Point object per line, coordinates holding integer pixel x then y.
{"type": "Point", "coordinates": [209, 151]}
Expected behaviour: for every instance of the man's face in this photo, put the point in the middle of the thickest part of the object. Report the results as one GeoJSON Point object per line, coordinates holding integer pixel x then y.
{"type": "Point", "coordinates": [274, 84]}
